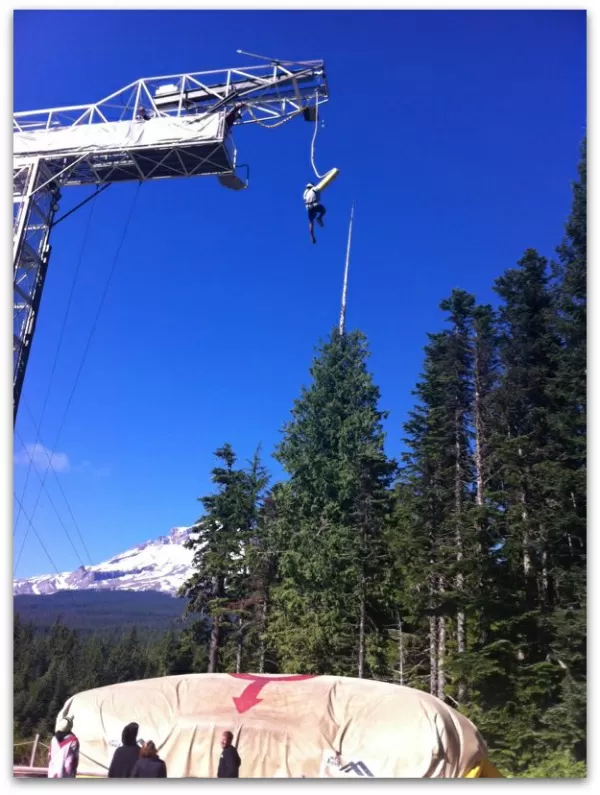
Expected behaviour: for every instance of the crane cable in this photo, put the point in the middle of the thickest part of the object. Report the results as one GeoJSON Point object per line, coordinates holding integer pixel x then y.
{"type": "Point", "coordinates": [51, 501]}
{"type": "Point", "coordinates": [314, 138]}
{"type": "Point", "coordinates": [277, 123]}
{"type": "Point", "coordinates": [289, 118]}
{"type": "Point", "coordinates": [60, 488]}
{"type": "Point", "coordinates": [85, 352]}
{"type": "Point", "coordinates": [37, 535]}
{"type": "Point", "coordinates": [38, 425]}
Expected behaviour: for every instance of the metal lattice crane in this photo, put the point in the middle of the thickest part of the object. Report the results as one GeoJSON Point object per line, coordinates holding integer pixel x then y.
{"type": "Point", "coordinates": [155, 128]}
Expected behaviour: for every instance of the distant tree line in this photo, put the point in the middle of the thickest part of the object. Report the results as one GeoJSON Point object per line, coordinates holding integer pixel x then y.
{"type": "Point", "coordinates": [460, 569]}
{"type": "Point", "coordinates": [101, 611]}
{"type": "Point", "coordinates": [50, 666]}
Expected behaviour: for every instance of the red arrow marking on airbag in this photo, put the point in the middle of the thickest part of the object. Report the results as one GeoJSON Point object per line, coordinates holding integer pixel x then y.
{"type": "Point", "coordinates": [249, 697]}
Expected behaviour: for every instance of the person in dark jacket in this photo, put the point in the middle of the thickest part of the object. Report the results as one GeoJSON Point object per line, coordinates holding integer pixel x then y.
{"type": "Point", "coordinates": [149, 765]}
{"type": "Point", "coordinates": [229, 761]}
{"type": "Point", "coordinates": [126, 756]}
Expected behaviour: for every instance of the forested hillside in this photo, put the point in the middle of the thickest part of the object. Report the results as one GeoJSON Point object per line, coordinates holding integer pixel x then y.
{"type": "Point", "coordinates": [104, 611]}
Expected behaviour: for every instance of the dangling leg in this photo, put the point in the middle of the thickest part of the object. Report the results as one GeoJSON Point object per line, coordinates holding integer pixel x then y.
{"type": "Point", "coordinates": [311, 227]}
{"type": "Point", "coordinates": [321, 213]}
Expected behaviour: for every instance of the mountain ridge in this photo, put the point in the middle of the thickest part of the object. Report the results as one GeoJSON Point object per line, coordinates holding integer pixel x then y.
{"type": "Point", "coordinates": [162, 565]}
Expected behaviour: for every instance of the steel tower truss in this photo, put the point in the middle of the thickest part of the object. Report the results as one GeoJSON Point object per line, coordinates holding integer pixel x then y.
{"type": "Point", "coordinates": [155, 128]}
{"type": "Point", "coordinates": [35, 200]}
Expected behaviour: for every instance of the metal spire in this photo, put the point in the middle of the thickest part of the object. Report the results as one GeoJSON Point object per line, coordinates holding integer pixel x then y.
{"type": "Point", "coordinates": [345, 288]}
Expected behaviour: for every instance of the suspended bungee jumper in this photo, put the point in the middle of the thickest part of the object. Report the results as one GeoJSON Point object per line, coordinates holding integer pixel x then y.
{"type": "Point", "coordinates": [324, 179]}
{"type": "Point", "coordinates": [312, 193]}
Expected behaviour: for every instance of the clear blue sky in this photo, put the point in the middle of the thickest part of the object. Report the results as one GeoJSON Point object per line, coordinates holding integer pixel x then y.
{"type": "Point", "coordinates": [457, 136]}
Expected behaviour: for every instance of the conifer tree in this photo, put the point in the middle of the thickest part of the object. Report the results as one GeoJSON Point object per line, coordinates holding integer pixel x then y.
{"type": "Point", "coordinates": [216, 545]}
{"type": "Point", "coordinates": [568, 474]}
{"type": "Point", "coordinates": [436, 475]}
{"type": "Point", "coordinates": [528, 347]}
{"type": "Point", "coordinates": [220, 584]}
{"type": "Point", "coordinates": [332, 553]}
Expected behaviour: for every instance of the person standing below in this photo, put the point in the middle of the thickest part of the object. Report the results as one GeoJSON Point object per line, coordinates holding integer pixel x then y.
{"type": "Point", "coordinates": [149, 765]}
{"type": "Point", "coordinates": [63, 757]}
{"type": "Point", "coordinates": [314, 208]}
{"type": "Point", "coordinates": [229, 761]}
{"type": "Point", "coordinates": [126, 755]}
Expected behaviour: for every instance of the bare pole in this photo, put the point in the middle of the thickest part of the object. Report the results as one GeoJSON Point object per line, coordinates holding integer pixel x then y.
{"type": "Point", "coordinates": [345, 288]}
{"type": "Point", "coordinates": [34, 750]}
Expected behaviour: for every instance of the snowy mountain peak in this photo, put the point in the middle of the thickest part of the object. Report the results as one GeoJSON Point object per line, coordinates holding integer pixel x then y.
{"type": "Point", "coordinates": [160, 565]}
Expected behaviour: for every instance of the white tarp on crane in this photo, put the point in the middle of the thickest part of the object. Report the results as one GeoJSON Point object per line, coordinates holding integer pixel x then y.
{"type": "Point", "coordinates": [122, 135]}
{"type": "Point", "coordinates": [283, 726]}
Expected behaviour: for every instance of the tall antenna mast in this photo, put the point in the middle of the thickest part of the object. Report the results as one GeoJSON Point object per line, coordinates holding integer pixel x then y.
{"type": "Point", "coordinates": [345, 288]}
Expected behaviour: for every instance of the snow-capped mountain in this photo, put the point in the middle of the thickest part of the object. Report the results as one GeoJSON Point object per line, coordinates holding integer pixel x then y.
{"type": "Point", "coordinates": [160, 565]}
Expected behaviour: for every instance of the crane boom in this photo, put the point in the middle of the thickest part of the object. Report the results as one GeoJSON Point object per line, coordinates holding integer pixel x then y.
{"type": "Point", "coordinates": [154, 128]}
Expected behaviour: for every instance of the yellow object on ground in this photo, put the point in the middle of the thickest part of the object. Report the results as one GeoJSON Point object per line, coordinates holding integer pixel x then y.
{"type": "Point", "coordinates": [327, 179]}
{"type": "Point", "coordinates": [484, 770]}
{"type": "Point", "coordinates": [283, 726]}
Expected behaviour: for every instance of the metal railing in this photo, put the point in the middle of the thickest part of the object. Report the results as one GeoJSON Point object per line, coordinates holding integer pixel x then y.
{"type": "Point", "coordinates": [36, 771]}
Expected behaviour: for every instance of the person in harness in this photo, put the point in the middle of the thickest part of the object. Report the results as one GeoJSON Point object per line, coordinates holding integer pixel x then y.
{"type": "Point", "coordinates": [314, 208]}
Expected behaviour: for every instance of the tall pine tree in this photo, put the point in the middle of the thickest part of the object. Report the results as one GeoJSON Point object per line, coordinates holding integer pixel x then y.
{"type": "Point", "coordinates": [333, 558]}
{"type": "Point", "coordinates": [220, 584]}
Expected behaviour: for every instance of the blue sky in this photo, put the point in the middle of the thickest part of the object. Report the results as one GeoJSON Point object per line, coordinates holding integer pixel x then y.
{"type": "Point", "coordinates": [457, 137]}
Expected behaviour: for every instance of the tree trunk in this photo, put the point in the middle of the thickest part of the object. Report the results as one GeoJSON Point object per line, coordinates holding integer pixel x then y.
{"type": "Point", "coordinates": [478, 425]}
{"type": "Point", "coordinates": [441, 647]}
{"type": "Point", "coordinates": [433, 652]}
{"type": "Point", "coordinates": [532, 584]}
{"type": "Point", "coordinates": [240, 647]}
{"type": "Point", "coordinates": [479, 461]}
{"type": "Point", "coordinates": [213, 651]}
{"type": "Point", "coordinates": [263, 629]}
{"type": "Point", "coordinates": [461, 647]}
{"type": "Point", "coordinates": [441, 671]}
{"type": "Point", "coordinates": [215, 631]}
{"type": "Point", "coordinates": [570, 542]}
{"type": "Point", "coordinates": [545, 579]}
{"type": "Point", "coordinates": [526, 552]}
{"type": "Point", "coordinates": [361, 631]}
{"type": "Point", "coordinates": [460, 615]}
{"type": "Point", "coordinates": [525, 519]}
{"type": "Point", "coordinates": [433, 622]}
{"type": "Point", "coordinates": [400, 651]}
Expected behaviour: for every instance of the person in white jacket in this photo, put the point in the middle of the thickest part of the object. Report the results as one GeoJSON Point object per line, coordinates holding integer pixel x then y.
{"type": "Point", "coordinates": [315, 209]}
{"type": "Point", "coordinates": [63, 758]}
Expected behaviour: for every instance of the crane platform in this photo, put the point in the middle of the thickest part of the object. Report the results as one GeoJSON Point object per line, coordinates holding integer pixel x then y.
{"type": "Point", "coordinates": [154, 128]}
{"type": "Point", "coordinates": [131, 150]}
